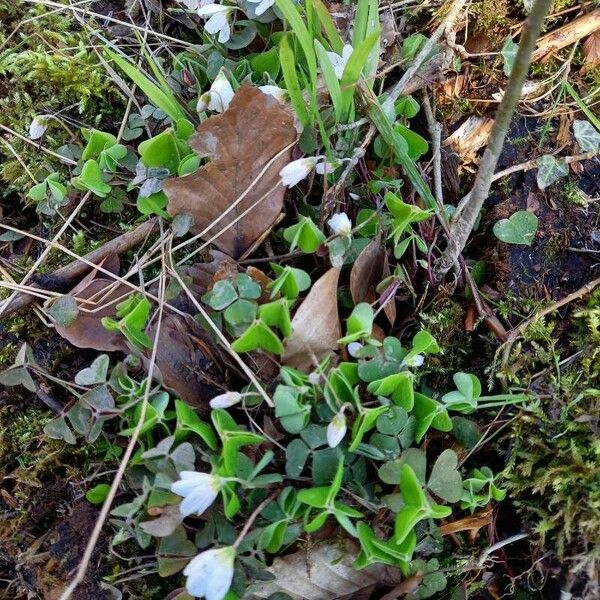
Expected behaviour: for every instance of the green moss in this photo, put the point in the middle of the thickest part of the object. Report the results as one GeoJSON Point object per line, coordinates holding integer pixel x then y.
{"type": "Point", "coordinates": [491, 16]}
{"type": "Point", "coordinates": [553, 472]}
{"type": "Point", "coordinates": [47, 66]}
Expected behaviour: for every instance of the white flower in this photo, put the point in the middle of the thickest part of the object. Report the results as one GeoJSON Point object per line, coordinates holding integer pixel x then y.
{"type": "Point", "coordinates": [209, 574]}
{"type": "Point", "coordinates": [263, 6]}
{"type": "Point", "coordinates": [218, 97]}
{"type": "Point", "coordinates": [38, 127]}
{"type": "Point", "coordinates": [218, 20]}
{"type": "Point", "coordinates": [275, 91]}
{"type": "Point", "coordinates": [336, 430]}
{"type": "Point", "coordinates": [416, 361]}
{"type": "Point", "coordinates": [327, 166]}
{"type": "Point", "coordinates": [225, 400]}
{"type": "Point", "coordinates": [339, 62]}
{"type": "Point", "coordinates": [353, 348]}
{"type": "Point", "coordinates": [199, 491]}
{"type": "Point", "coordinates": [340, 224]}
{"type": "Point", "coordinates": [298, 170]}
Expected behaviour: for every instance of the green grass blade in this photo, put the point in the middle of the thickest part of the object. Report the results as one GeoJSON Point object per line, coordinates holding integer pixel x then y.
{"type": "Point", "coordinates": [586, 111]}
{"type": "Point", "coordinates": [158, 74]}
{"type": "Point", "coordinates": [331, 80]}
{"type": "Point", "coordinates": [288, 67]}
{"type": "Point", "coordinates": [372, 26]}
{"type": "Point", "coordinates": [352, 71]}
{"type": "Point", "coordinates": [361, 18]}
{"type": "Point", "coordinates": [156, 96]}
{"type": "Point", "coordinates": [292, 16]}
{"type": "Point", "coordinates": [337, 44]}
{"type": "Point", "coordinates": [395, 140]}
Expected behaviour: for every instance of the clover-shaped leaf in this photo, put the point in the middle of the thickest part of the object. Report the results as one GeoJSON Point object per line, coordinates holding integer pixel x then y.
{"type": "Point", "coordinates": [95, 373]}
{"type": "Point", "coordinates": [445, 480]}
{"type": "Point", "coordinates": [468, 390]}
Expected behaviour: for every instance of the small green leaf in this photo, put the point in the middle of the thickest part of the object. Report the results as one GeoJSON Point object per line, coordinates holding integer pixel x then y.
{"type": "Point", "coordinates": [445, 480]}
{"type": "Point", "coordinates": [91, 179]}
{"type": "Point", "coordinates": [520, 228]}
{"type": "Point", "coordinates": [95, 373]}
{"type": "Point", "coordinates": [293, 415]}
{"type": "Point", "coordinates": [98, 493]}
{"type": "Point", "coordinates": [63, 310]}
{"type": "Point", "coordinates": [509, 53]}
{"type": "Point", "coordinates": [221, 296]}
{"type": "Point", "coordinates": [304, 235]}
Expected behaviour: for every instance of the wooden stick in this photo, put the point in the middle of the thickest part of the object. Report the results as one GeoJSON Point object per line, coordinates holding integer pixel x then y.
{"type": "Point", "coordinates": [77, 267]}
{"type": "Point", "coordinates": [567, 35]}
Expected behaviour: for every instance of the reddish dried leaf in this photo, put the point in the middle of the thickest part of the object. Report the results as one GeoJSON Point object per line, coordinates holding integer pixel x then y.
{"type": "Point", "coordinates": [87, 330]}
{"type": "Point", "coordinates": [185, 363]}
{"type": "Point", "coordinates": [472, 524]}
{"type": "Point", "coordinates": [591, 51]}
{"type": "Point", "coordinates": [316, 324]}
{"type": "Point", "coordinates": [366, 272]}
{"type": "Point", "coordinates": [240, 143]}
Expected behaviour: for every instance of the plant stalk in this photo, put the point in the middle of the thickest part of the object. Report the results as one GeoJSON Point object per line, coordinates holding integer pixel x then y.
{"type": "Point", "coordinates": [461, 229]}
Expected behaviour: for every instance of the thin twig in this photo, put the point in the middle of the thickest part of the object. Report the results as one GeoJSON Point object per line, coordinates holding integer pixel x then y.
{"type": "Point", "coordinates": [89, 549]}
{"type": "Point", "coordinates": [250, 521]}
{"type": "Point", "coordinates": [81, 264]}
{"type": "Point", "coordinates": [462, 227]}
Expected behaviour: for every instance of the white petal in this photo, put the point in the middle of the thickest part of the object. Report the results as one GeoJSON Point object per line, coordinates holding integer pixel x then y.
{"type": "Point", "coordinates": [216, 22]}
{"type": "Point", "coordinates": [347, 51]}
{"type": "Point", "coordinates": [336, 430]}
{"type": "Point", "coordinates": [353, 348]}
{"type": "Point", "coordinates": [197, 501]}
{"type": "Point", "coordinates": [275, 91]}
{"type": "Point", "coordinates": [225, 32]}
{"type": "Point", "coordinates": [203, 102]}
{"type": "Point", "coordinates": [337, 62]}
{"type": "Point", "coordinates": [211, 9]}
{"type": "Point", "coordinates": [340, 224]}
{"type": "Point", "coordinates": [198, 489]}
{"type": "Point", "coordinates": [210, 573]}
{"type": "Point", "coordinates": [415, 361]}
{"type": "Point", "coordinates": [225, 400]}
{"type": "Point", "coordinates": [221, 93]}
{"type": "Point", "coordinates": [327, 166]}
{"type": "Point", "coordinates": [38, 127]}
{"type": "Point", "coordinates": [297, 170]}
{"type": "Point", "coordinates": [264, 6]}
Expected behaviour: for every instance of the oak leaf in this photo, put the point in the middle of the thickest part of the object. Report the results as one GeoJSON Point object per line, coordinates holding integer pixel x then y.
{"type": "Point", "coordinates": [316, 324]}
{"type": "Point", "coordinates": [254, 130]}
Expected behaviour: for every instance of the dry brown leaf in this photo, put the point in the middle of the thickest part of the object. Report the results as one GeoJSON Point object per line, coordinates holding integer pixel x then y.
{"type": "Point", "coordinates": [326, 573]}
{"type": "Point", "coordinates": [87, 330]}
{"type": "Point", "coordinates": [470, 137]}
{"type": "Point", "coordinates": [472, 524]}
{"type": "Point", "coordinates": [185, 362]}
{"type": "Point", "coordinates": [366, 272]}
{"type": "Point", "coordinates": [389, 308]}
{"type": "Point", "coordinates": [169, 520]}
{"type": "Point", "coordinates": [240, 142]}
{"type": "Point", "coordinates": [408, 586]}
{"type": "Point", "coordinates": [591, 52]}
{"type": "Point", "coordinates": [316, 324]}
